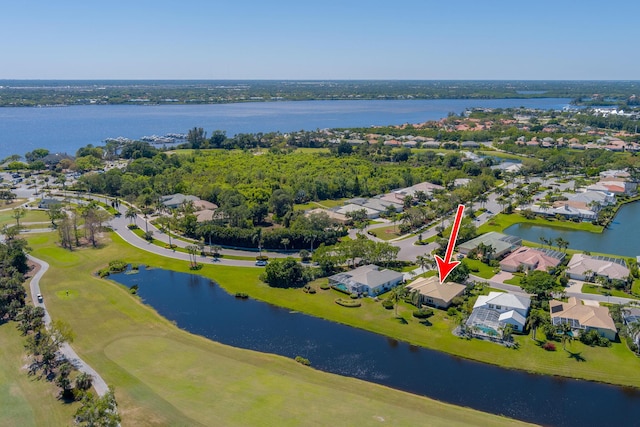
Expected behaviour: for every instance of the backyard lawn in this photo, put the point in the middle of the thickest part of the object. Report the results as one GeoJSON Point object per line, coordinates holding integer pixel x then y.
{"type": "Point", "coordinates": [166, 376]}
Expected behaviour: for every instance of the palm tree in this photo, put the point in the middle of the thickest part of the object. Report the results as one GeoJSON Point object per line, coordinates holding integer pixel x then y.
{"type": "Point", "coordinates": [215, 250]}
{"type": "Point", "coordinates": [398, 293]}
{"type": "Point", "coordinates": [566, 334]}
{"type": "Point", "coordinates": [131, 215]}
{"type": "Point", "coordinates": [534, 321]}
{"type": "Point", "coordinates": [193, 251]}
{"type": "Point", "coordinates": [285, 242]}
{"type": "Point", "coordinates": [562, 243]}
{"type": "Point", "coordinates": [507, 332]}
{"type": "Point", "coordinates": [483, 199]}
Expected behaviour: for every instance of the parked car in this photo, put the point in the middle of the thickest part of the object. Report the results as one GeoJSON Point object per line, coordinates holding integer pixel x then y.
{"type": "Point", "coordinates": [39, 298]}
{"type": "Point", "coordinates": [261, 263]}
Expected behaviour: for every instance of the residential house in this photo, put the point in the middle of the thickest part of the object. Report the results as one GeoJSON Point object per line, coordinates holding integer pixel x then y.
{"type": "Point", "coordinates": [525, 259]}
{"type": "Point", "coordinates": [434, 293]}
{"type": "Point", "coordinates": [494, 311]}
{"type": "Point", "coordinates": [585, 267]}
{"type": "Point", "coordinates": [174, 201]}
{"type": "Point", "coordinates": [501, 243]}
{"type": "Point", "coordinates": [351, 207]}
{"type": "Point", "coordinates": [367, 279]}
{"type": "Point", "coordinates": [583, 318]}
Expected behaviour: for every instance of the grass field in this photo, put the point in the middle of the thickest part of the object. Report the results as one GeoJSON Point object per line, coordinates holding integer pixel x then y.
{"type": "Point", "coordinates": [24, 400]}
{"type": "Point", "coordinates": [599, 290]}
{"type": "Point", "coordinates": [503, 221]}
{"type": "Point", "coordinates": [484, 271]}
{"type": "Point", "coordinates": [385, 233]}
{"type": "Point", "coordinates": [166, 376]}
{"type": "Point", "coordinates": [6, 217]}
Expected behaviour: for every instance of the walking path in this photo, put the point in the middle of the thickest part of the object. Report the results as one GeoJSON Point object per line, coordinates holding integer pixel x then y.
{"type": "Point", "coordinates": [66, 350]}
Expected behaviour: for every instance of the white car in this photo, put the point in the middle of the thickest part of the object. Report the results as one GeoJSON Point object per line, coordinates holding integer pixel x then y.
{"type": "Point", "coordinates": [39, 296]}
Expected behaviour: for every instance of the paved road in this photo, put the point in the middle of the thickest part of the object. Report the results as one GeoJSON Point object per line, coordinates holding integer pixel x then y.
{"type": "Point", "coordinates": [66, 350]}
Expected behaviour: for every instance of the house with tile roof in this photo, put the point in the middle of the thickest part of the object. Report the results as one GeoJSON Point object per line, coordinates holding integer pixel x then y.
{"type": "Point", "coordinates": [583, 318]}
{"type": "Point", "coordinates": [526, 259]}
{"type": "Point", "coordinates": [434, 293]}
{"type": "Point", "coordinates": [586, 267]}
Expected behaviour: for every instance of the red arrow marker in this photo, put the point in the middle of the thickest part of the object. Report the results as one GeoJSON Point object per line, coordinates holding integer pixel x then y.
{"type": "Point", "coordinates": [446, 266]}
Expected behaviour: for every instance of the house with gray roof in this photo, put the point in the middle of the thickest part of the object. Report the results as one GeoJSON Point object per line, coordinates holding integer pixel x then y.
{"type": "Point", "coordinates": [173, 201]}
{"type": "Point", "coordinates": [501, 243]}
{"type": "Point", "coordinates": [367, 279]}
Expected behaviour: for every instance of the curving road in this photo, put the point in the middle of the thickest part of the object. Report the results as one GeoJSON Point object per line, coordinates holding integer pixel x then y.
{"type": "Point", "coordinates": [66, 350]}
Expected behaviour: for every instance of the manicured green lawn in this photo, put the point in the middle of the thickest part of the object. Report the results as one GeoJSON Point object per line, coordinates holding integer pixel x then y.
{"type": "Point", "coordinates": [484, 271]}
{"type": "Point", "coordinates": [515, 280]}
{"type": "Point", "coordinates": [599, 290]}
{"type": "Point", "coordinates": [385, 233]}
{"type": "Point", "coordinates": [25, 400]}
{"type": "Point", "coordinates": [6, 217]}
{"type": "Point", "coordinates": [503, 221]}
{"type": "Point", "coordinates": [166, 376]}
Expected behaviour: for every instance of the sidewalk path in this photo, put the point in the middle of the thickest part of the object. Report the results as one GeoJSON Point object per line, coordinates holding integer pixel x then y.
{"type": "Point", "coordinates": [66, 350]}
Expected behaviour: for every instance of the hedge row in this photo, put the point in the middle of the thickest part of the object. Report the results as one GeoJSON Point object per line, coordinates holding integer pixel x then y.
{"type": "Point", "coordinates": [271, 239]}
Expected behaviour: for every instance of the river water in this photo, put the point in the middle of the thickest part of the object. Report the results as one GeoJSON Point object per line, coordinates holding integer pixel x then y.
{"type": "Point", "coordinates": [620, 238]}
{"type": "Point", "coordinates": [65, 129]}
{"type": "Point", "coordinates": [200, 306]}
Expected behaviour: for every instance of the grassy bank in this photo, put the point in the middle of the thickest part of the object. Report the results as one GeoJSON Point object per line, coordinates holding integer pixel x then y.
{"type": "Point", "coordinates": [501, 222]}
{"type": "Point", "coordinates": [166, 376]}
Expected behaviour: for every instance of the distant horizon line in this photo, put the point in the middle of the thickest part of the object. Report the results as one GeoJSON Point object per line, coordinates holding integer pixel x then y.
{"type": "Point", "coordinates": [316, 80]}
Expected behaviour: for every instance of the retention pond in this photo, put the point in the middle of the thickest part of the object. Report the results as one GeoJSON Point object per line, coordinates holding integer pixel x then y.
{"type": "Point", "coordinates": [200, 306]}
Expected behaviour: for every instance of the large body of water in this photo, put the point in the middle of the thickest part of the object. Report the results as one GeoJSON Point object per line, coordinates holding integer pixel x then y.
{"type": "Point", "coordinates": [202, 307]}
{"type": "Point", "coordinates": [65, 129]}
{"type": "Point", "coordinates": [620, 238]}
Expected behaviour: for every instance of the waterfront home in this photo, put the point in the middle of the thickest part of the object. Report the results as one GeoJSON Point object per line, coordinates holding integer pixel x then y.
{"type": "Point", "coordinates": [511, 167]}
{"type": "Point", "coordinates": [586, 267]}
{"type": "Point", "coordinates": [434, 293]}
{"type": "Point", "coordinates": [501, 243]}
{"type": "Point", "coordinates": [583, 318]}
{"type": "Point", "coordinates": [525, 258]}
{"type": "Point", "coordinates": [494, 311]}
{"type": "Point", "coordinates": [631, 316]}
{"type": "Point", "coordinates": [566, 210]}
{"type": "Point", "coordinates": [367, 279]}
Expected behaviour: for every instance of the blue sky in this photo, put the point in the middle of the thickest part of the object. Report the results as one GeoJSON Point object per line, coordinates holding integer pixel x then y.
{"type": "Point", "coordinates": [348, 39]}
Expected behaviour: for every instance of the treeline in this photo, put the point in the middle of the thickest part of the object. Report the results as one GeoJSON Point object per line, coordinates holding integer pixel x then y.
{"type": "Point", "coordinates": [21, 93]}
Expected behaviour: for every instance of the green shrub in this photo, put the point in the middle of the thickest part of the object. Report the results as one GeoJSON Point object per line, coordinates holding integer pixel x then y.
{"type": "Point", "coordinates": [348, 303]}
{"type": "Point", "coordinates": [117, 266]}
{"type": "Point", "coordinates": [133, 290]}
{"type": "Point", "coordinates": [325, 286]}
{"type": "Point", "coordinates": [132, 227]}
{"type": "Point", "coordinates": [423, 313]}
{"type": "Point", "coordinates": [353, 295]}
{"type": "Point", "coordinates": [241, 295]}
{"type": "Point", "coordinates": [104, 272]}
{"type": "Point", "coordinates": [388, 304]}
{"type": "Point", "coordinates": [302, 360]}
{"type": "Point", "coordinates": [452, 311]}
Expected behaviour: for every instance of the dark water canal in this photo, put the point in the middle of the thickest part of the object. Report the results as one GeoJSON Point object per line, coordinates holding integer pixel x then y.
{"type": "Point", "coordinates": [202, 307]}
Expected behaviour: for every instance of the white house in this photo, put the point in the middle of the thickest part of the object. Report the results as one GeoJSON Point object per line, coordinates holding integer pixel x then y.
{"type": "Point", "coordinates": [492, 312]}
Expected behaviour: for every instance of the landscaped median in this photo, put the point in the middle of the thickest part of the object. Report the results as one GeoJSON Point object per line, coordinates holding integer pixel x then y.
{"type": "Point", "coordinates": [166, 376]}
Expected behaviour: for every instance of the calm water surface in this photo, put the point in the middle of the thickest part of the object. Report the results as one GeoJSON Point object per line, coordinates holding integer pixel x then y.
{"type": "Point", "coordinates": [65, 129]}
{"type": "Point", "coordinates": [622, 237]}
{"type": "Point", "coordinates": [202, 307]}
